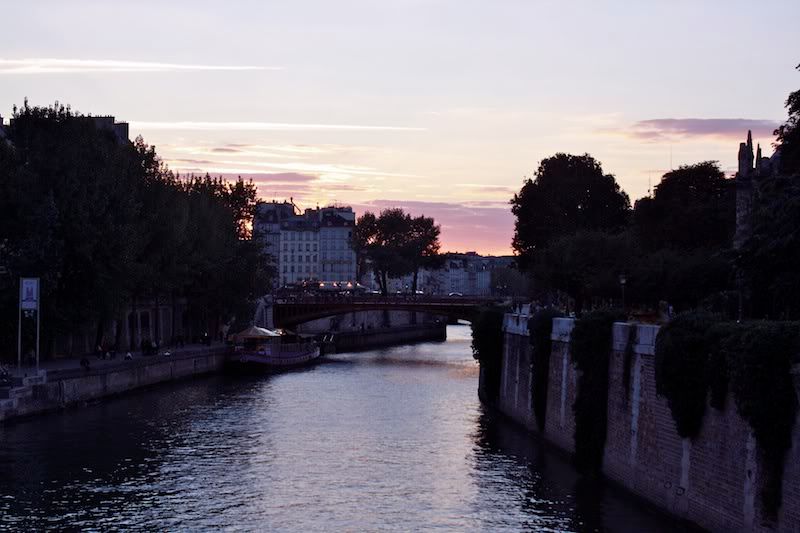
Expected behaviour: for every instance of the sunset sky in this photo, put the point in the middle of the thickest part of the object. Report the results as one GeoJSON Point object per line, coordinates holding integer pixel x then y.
{"type": "Point", "coordinates": [442, 107]}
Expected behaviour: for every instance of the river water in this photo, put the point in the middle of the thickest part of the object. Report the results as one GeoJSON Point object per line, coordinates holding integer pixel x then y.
{"type": "Point", "coordinates": [392, 439]}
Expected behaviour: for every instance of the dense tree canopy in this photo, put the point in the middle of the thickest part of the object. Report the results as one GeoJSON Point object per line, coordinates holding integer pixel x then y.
{"type": "Point", "coordinates": [677, 248]}
{"type": "Point", "coordinates": [568, 193]}
{"type": "Point", "coordinates": [104, 223]}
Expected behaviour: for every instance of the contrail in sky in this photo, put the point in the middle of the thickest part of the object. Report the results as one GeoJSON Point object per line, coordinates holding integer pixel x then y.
{"type": "Point", "coordinates": [78, 66]}
{"type": "Point", "coordinates": [262, 126]}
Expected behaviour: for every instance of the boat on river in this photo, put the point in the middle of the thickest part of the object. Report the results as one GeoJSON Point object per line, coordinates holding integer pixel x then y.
{"type": "Point", "coordinates": [261, 349]}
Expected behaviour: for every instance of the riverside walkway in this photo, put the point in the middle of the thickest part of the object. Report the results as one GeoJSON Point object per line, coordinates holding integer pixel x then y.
{"type": "Point", "coordinates": [64, 382]}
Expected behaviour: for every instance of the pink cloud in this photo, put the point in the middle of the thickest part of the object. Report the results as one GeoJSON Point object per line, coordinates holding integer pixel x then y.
{"type": "Point", "coordinates": [658, 129]}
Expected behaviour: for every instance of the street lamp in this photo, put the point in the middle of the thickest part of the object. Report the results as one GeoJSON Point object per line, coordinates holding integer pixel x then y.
{"type": "Point", "coordinates": [622, 281]}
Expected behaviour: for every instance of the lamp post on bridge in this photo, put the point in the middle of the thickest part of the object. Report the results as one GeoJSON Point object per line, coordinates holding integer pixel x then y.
{"type": "Point", "coordinates": [623, 280]}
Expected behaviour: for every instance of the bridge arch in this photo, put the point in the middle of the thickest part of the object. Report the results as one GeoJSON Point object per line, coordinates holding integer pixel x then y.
{"type": "Point", "coordinates": [291, 313]}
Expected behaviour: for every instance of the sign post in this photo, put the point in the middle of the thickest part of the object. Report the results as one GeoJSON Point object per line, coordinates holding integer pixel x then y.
{"type": "Point", "coordinates": [28, 303]}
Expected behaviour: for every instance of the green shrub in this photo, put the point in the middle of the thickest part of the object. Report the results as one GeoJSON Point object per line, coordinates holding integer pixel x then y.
{"type": "Point", "coordinates": [540, 327]}
{"type": "Point", "coordinates": [487, 348]}
{"type": "Point", "coordinates": [591, 349]}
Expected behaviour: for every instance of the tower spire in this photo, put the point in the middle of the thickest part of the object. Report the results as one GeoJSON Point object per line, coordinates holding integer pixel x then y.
{"type": "Point", "coordinates": [746, 156]}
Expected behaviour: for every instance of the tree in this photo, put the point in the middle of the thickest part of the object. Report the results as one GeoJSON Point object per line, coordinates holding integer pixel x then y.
{"type": "Point", "coordinates": [769, 257]}
{"type": "Point", "coordinates": [395, 244]}
{"type": "Point", "coordinates": [384, 241]}
{"type": "Point", "coordinates": [693, 206]}
{"type": "Point", "coordinates": [423, 246]}
{"type": "Point", "coordinates": [585, 265]}
{"type": "Point", "coordinates": [568, 193]}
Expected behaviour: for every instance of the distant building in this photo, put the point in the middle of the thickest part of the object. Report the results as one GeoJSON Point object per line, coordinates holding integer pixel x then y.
{"type": "Point", "coordinates": [120, 129]}
{"type": "Point", "coordinates": [467, 273]}
{"type": "Point", "coordinates": [310, 246]}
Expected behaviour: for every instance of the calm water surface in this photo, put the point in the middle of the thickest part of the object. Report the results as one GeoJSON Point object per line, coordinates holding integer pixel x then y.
{"type": "Point", "coordinates": [389, 439]}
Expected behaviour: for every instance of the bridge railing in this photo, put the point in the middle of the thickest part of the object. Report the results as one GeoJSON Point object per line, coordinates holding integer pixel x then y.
{"type": "Point", "coordinates": [380, 299]}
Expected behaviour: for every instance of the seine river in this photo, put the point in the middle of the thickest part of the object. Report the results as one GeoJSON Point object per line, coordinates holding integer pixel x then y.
{"type": "Point", "coordinates": [390, 439]}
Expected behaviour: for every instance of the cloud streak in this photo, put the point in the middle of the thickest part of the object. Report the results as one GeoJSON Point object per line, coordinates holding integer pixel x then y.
{"type": "Point", "coordinates": [262, 126]}
{"type": "Point", "coordinates": [660, 129]}
{"type": "Point", "coordinates": [82, 66]}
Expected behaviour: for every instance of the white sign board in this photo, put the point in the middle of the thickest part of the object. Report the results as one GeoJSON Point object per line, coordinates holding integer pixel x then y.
{"type": "Point", "coordinates": [29, 294]}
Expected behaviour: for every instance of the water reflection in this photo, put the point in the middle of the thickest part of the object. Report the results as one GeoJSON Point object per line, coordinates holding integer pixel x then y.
{"type": "Point", "coordinates": [391, 439]}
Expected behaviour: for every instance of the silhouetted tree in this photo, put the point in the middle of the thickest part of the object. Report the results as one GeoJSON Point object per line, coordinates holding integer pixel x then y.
{"type": "Point", "coordinates": [384, 240]}
{"type": "Point", "coordinates": [568, 193]}
{"type": "Point", "coordinates": [395, 244]}
{"type": "Point", "coordinates": [105, 224]}
{"type": "Point", "coordinates": [422, 250]}
{"type": "Point", "coordinates": [693, 206]}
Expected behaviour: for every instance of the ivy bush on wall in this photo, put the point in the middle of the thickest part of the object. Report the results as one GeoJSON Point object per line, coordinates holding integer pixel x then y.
{"type": "Point", "coordinates": [682, 369]}
{"type": "Point", "coordinates": [695, 355]}
{"type": "Point", "coordinates": [540, 327]}
{"type": "Point", "coordinates": [487, 348]}
{"type": "Point", "coordinates": [760, 357]}
{"type": "Point", "coordinates": [590, 347]}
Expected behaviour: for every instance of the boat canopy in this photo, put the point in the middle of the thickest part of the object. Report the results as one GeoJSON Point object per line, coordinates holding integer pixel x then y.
{"type": "Point", "coordinates": [254, 332]}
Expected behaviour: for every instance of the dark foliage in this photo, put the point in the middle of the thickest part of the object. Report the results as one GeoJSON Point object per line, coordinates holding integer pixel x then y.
{"type": "Point", "coordinates": [769, 258]}
{"type": "Point", "coordinates": [693, 207]}
{"type": "Point", "coordinates": [105, 224]}
{"type": "Point", "coordinates": [590, 346]}
{"type": "Point", "coordinates": [695, 354]}
{"type": "Point", "coordinates": [568, 193]}
{"type": "Point", "coordinates": [487, 348]}
{"type": "Point", "coordinates": [395, 244]}
{"type": "Point", "coordinates": [540, 327]}
{"type": "Point", "coordinates": [760, 357]}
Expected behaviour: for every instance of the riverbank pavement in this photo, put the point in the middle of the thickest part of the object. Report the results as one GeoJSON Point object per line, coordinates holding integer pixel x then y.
{"type": "Point", "coordinates": [23, 379]}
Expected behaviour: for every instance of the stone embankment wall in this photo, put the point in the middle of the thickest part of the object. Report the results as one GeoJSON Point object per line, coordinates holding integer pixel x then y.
{"type": "Point", "coordinates": [366, 320]}
{"type": "Point", "coordinates": [712, 480]}
{"type": "Point", "coordinates": [62, 389]}
{"type": "Point", "coordinates": [375, 338]}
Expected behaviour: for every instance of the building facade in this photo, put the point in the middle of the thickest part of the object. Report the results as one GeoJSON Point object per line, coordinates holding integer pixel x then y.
{"type": "Point", "coordinates": [468, 274]}
{"type": "Point", "coordinates": [313, 245]}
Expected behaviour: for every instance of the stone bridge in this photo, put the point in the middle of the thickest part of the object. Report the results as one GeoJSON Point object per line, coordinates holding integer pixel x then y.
{"type": "Point", "coordinates": [288, 313]}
